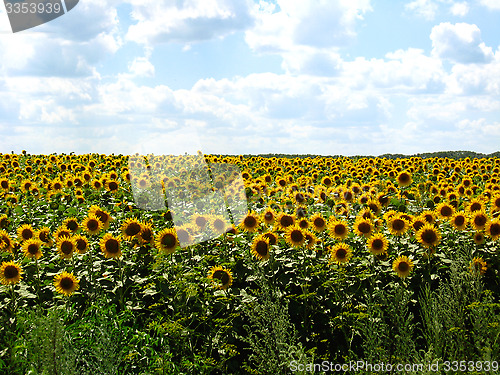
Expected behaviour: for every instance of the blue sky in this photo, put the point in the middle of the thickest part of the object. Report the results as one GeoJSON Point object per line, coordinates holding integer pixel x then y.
{"type": "Point", "coordinates": [329, 77]}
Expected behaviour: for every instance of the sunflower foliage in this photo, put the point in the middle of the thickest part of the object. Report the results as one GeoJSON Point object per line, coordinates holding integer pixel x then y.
{"type": "Point", "coordinates": [270, 334]}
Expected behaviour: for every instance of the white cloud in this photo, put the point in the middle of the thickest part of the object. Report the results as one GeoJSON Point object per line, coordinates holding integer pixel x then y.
{"type": "Point", "coordinates": [459, 9]}
{"type": "Point", "coordinates": [187, 21]}
{"type": "Point", "coordinates": [423, 8]}
{"type": "Point", "coordinates": [460, 43]}
{"type": "Point", "coordinates": [141, 67]}
{"type": "Point", "coordinates": [491, 4]}
{"type": "Point", "coordinates": [321, 23]}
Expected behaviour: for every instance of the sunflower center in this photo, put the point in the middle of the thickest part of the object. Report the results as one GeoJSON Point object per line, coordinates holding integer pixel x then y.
{"type": "Point", "coordinates": [429, 236]}
{"type": "Point", "coordinates": [446, 211]}
{"type": "Point", "coordinates": [250, 222]}
{"type": "Point", "coordinates": [403, 267]}
{"type": "Point", "coordinates": [66, 247]}
{"type": "Point", "coordinates": [341, 253]}
{"type": "Point", "coordinates": [103, 216]}
{"type": "Point", "coordinates": [201, 221]}
{"type": "Point", "coordinates": [112, 246]}
{"type": "Point", "coordinates": [113, 185]}
{"type": "Point", "coordinates": [66, 283]}
{"type": "Point", "coordinates": [340, 229]}
{"type": "Point", "coordinates": [81, 244]}
{"type": "Point", "coordinates": [92, 224]}
{"type": "Point", "coordinates": [168, 240]}
{"type": "Point", "coordinates": [11, 272]}
{"type": "Point", "coordinates": [296, 236]}
{"type": "Point", "coordinates": [364, 227]}
{"type": "Point", "coordinates": [299, 198]}
{"type": "Point", "coordinates": [262, 248]}
{"type": "Point", "coordinates": [72, 225]}
{"type": "Point", "coordinates": [404, 177]}
{"type": "Point", "coordinates": [378, 244]}
{"type": "Point", "coordinates": [459, 220]}
{"type": "Point", "coordinates": [319, 222]}
{"type": "Point", "coordinates": [286, 221]}
{"type": "Point", "coordinates": [495, 229]}
{"type": "Point", "coordinates": [219, 225]}
{"type": "Point", "coordinates": [480, 220]}
{"type": "Point", "coordinates": [132, 229]}
{"type": "Point", "coordinates": [475, 207]}
{"type": "Point", "coordinates": [398, 224]}
{"type": "Point", "coordinates": [268, 216]}
{"type": "Point", "coordinates": [5, 184]}
{"type": "Point", "coordinates": [147, 235]}
{"type": "Point", "coordinates": [33, 249]}
{"type": "Point", "coordinates": [182, 235]}
{"type": "Point", "coordinates": [27, 234]}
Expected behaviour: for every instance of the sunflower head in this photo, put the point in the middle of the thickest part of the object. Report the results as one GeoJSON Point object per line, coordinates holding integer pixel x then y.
{"type": "Point", "coordinates": [32, 248]}
{"type": "Point", "coordinates": [402, 266]}
{"type": "Point", "coordinates": [110, 246]}
{"type": "Point", "coordinates": [130, 228]}
{"type": "Point", "coordinates": [404, 178]}
{"type": "Point", "coordinates": [250, 222]}
{"type": "Point", "coordinates": [341, 253]}
{"type": "Point", "coordinates": [493, 229]}
{"type": "Point", "coordinates": [66, 246]}
{"type": "Point", "coordinates": [261, 247]}
{"type": "Point", "coordinates": [377, 244]}
{"type": "Point", "coordinates": [478, 266]}
{"type": "Point", "coordinates": [92, 225]}
{"type": "Point", "coordinates": [25, 232]}
{"type": "Point", "coordinates": [10, 273]}
{"type": "Point", "coordinates": [318, 222]}
{"type": "Point", "coordinates": [295, 236]}
{"type": "Point", "coordinates": [166, 240]}
{"type": "Point", "coordinates": [65, 283]}
{"type": "Point", "coordinates": [221, 277]}
{"type": "Point", "coordinates": [428, 235]}
{"type": "Point", "coordinates": [81, 243]}
{"type": "Point", "coordinates": [363, 227]}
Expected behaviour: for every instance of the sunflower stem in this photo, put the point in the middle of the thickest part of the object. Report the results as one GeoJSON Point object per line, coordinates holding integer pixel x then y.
{"type": "Point", "coordinates": [38, 282]}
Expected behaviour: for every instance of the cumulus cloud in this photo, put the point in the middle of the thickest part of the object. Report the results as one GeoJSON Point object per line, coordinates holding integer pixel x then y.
{"type": "Point", "coordinates": [187, 21]}
{"type": "Point", "coordinates": [321, 23]}
{"type": "Point", "coordinates": [460, 42]}
{"type": "Point", "coordinates": [459, 9]}
{"type": "Point", "coordinates": [141, 67]}
{"type": "Point", "coordinates": [490, 4]}
{"type": "Point", "coordinates": [423, 8]}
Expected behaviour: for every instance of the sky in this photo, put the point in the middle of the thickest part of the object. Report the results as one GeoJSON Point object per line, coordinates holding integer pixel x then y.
{"type": "Point", "coordinates": [322, 77]}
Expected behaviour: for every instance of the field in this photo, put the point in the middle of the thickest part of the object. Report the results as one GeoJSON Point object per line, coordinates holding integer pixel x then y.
{"type": "Point", "coordinates": [251, 265]}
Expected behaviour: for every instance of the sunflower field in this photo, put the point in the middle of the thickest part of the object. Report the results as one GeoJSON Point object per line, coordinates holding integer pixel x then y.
{"type": "Point", "coordinates": [275, 265]}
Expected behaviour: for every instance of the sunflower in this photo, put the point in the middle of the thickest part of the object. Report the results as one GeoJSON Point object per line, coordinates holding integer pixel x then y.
{"type": "Point", "coordinates": [404, 178]}
{"type": "Point", "coordinates": [284, 220]}
{"type": "Point", "coordinates": [479, 238]}
{"type": "Point", "coordinates": [82, 243]}
{"type": "Point", "coordinates": [311, 240]}
{"type": "Point", "coordinates": [397, 225]}
{"type": "Point", "coordinates": [459, 220]}
{"type": "Point", "coordinates": [110, 246]}
{"type": "Point", "coordinates": [62, 232]}
{"type": "Point", "coordinates": [66, 246]}
{"type": "Point", "coordinates": [268, 216]}
{"type": "Point", "coordinates": [217, 224]}
{"type": "Point", "coordinates": [199, 221]}
{"type": "Point", "coordinates": [402, 266]}
{"type": "Point", "coordinates": [250, 222]}
{"type": "Point", "coordinates": [428, 235]}
{"type": "Point", "coordinates": [363, 227]}
{"type": "Point", "coordinates": [102, 215]}
{"type": "Point", "coordinates": [428, 216]}
{"type": "Point", "coordinates": [91, 224]}
{"type": "Point", "coordinates": [70, 223]}
{"type": "Point", "coordinates": [25, 232]}
{"type": "Point", "coordinates": [4, 221]}
{"type": "Point", "coordinates": [43, 234]}
{"type": "Point", "coordinates": [184, 235]}
{"type": "Point", "coordinates": [32, 248]}
{"type": "Point", "coordinates": [5, 184]}
{"type": "Point", "coordinates": [445, 210]}
{"type": "Point", "coordinates": [166, 240]}
{"type": "Point", "coordinates": [295, 236]}
{"type": "Point", "coordinates": [495, 202]}
{"type": "Point", "coordinates": [478, 220]}
{"type": "Point", "coordinates": [339, 229]}
{"type": "Point", "coordinates": [130, 228]}
{"type": "Point", "coordinates": [112, 186]}
{"type": "Point", "coordinates": [260, 247]}
{"type": "Point", "coordinates": [478, 266]}
{"type": "Point", "coordinates": [475, 204]}
{"type": "Point", "coordinates": [377, 244]}
{"type": "Point", "coordinates": [5, 241]}
{"type": "Point", "coordinates": [273, 239]}
{"type": "Point", "coordinates": [340, 253]}
{"type": "Point", "coordinates": [10, 273]}
{"type": "Point", "coordinates": [493, 229]}
{"type": "Point", "coordinates": [221, 277]}
{"type": "Point", "coordinates": [66, 283]}
{"type": "Point", "coordinates": [146, 235]}
{"type": "Point", "coordinates": [318, 222]}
